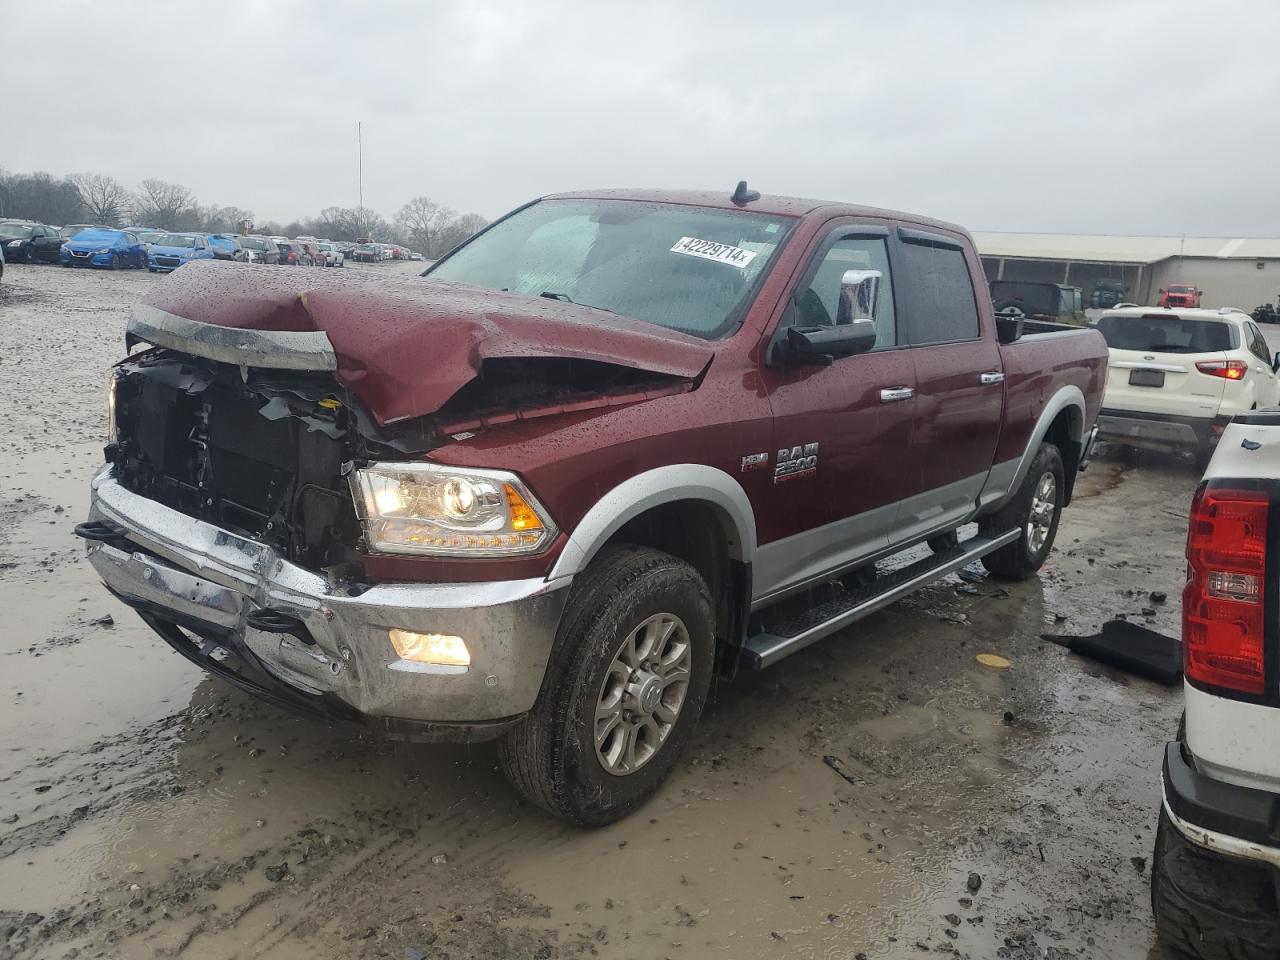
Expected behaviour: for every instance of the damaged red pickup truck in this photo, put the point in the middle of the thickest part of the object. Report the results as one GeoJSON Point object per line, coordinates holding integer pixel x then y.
{"type": "Point", "coordinates": [615, 444]}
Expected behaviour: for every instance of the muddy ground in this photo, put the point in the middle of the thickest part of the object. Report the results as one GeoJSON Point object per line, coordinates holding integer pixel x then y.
{"type": "Point", "coordinates": [147, 810]}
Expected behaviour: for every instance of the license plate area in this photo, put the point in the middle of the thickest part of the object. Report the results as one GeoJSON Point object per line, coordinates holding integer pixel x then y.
{"type": "Point", "coordinates": [1146, 378]}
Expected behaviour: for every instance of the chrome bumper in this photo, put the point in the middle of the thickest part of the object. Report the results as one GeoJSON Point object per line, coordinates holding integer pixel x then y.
{"type": "Point", "coordinates": [179, 570]}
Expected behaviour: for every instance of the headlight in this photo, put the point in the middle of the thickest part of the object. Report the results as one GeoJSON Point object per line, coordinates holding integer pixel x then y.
{"type": "Point", "coordinates": [15, 243]}
{"type": "Point", "coordinates": [103, 250]}
{"type": "Point", "coordinates": [434, 510]}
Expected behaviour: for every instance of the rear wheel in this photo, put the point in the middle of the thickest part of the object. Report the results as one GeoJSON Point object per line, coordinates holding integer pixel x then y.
{"type": "Point", "coordinates": [1034, 510]}
{"type": "Point", "coordinates": [625, 685]}
{"type": "Point", "coordinates": [1209, 907]}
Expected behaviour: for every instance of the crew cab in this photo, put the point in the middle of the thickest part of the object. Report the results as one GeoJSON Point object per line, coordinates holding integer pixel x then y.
{"type": "Point", "coordinates": [1215, 885]}
{"type": "Point", "coordinates": [1177, 377]}
{"type": "Point", "coordinates": [615, 443]}
{"type": "Point", "coordinates": [1180, 295]}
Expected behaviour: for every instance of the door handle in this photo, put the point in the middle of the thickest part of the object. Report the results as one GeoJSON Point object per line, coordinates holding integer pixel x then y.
{"type": "Point", "coordinates": [987, 379]}
{"type": "Point", "coordinates": [894, 394]}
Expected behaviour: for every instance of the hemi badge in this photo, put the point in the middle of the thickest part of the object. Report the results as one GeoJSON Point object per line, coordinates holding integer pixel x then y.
{"type": "Point", "coordinates": [754, 461]}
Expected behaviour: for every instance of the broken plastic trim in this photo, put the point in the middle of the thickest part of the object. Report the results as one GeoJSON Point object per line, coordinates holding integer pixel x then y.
{"type": "Point", "coordinates": [274, 349]}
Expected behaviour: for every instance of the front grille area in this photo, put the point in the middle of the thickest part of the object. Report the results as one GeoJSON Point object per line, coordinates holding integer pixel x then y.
{"type": "Point", "coordinates": [260, 454]}
{"type": "Point", "coordinates": [168, 261]}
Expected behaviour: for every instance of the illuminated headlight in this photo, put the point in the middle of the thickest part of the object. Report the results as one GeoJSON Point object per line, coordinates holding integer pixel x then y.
{"type": "Point", "coordinates": [434, 510]}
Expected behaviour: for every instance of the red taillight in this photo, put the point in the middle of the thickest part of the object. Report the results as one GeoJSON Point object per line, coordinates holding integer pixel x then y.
{"type": "Point", "coordinates": [1222, 604]}
{"type": "Point", "coordinates": [1227, 369]}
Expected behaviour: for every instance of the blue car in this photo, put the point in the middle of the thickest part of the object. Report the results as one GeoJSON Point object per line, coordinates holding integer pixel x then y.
{"type": "Point", "coordinates": [108, 249]}
{"type": "Point", "coordinates": [172, 250]}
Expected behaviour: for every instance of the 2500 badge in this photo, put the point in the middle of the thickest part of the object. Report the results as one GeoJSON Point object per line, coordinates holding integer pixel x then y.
{"type": "Point", "coordinates": [796, 462]}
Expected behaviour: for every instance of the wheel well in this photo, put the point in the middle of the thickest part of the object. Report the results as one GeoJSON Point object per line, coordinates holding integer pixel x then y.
{"type": "Point", "coordinates": [695, 531]}
{"type": "Point", "coordinates": [1065, 433]}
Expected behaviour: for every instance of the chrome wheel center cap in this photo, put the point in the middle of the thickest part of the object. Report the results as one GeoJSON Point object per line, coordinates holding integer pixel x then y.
{"type": "Point", "coordinates": [646, 691]}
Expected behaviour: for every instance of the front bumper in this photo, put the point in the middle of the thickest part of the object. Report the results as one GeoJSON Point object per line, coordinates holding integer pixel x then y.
{"type": "Point", "coordinates": [189, 577]}
{"type": "Point", "coordinates": [86, 259]}
{"type": "Point", "coordinates": [1233, 821]}
{"type": "Point", "coordinates": [1159, 429]}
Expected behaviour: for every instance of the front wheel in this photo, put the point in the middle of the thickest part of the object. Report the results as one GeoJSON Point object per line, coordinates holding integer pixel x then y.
{"type": "Point", "coordinates": [627, 679]}
{"type": "Point", "coordinates": [1034, 510]}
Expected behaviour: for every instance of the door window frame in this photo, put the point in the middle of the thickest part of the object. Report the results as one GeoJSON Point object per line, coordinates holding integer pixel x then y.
{"type": "Point", "coordinates": [905, 235]}
{"type": "Point", "coordinates": [851, 230]}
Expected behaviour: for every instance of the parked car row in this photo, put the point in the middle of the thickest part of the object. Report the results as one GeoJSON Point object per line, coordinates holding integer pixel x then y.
{"type": "Point", "coordinates": [157, 249]}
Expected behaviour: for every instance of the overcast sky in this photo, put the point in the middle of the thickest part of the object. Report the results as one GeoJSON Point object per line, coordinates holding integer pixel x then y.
{"type": "Point", "coordinates": [1106, 117]}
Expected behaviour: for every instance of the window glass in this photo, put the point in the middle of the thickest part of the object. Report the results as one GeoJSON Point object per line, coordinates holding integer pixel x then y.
{"type": "Point", "coordinates": [1160, 333]}
{"type": "Point", "coordinates": [818, 304]}
{"type": "Point", "coordinates": [686, 268]}
{"type": "Point", "coordinates": [939, 293]}
{"type": "Point", "coordinates": [1258, 344]}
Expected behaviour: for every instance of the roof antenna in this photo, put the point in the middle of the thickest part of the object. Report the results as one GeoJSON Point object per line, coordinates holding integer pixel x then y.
{"type": "Point", "coordinates": [743, 195]}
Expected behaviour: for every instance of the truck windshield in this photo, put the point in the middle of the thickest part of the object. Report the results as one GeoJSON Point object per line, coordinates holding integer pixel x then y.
{"type": "Point", "coordinates": [689, 269]}
{"type": "Point", "coordinates": [1163, 334]}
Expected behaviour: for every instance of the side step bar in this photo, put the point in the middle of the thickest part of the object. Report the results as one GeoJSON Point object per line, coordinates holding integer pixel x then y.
{"type": "Point", "coordinates": [766, 649]}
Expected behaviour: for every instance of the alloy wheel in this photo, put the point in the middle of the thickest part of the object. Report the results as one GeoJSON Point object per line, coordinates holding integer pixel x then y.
{"type": "Point", "coordinates": [642, 694]}
{"type": "Point", "coordinates": [1043, 506]}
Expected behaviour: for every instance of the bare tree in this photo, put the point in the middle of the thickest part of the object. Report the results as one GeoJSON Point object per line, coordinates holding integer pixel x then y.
{"type": "Point", "coordinates": [39, 197]}
{"type": "Point", "coordinates": [422, 219]}
{"type": "Point", "coordinates": [456, 231]}
{"type": "Point", "coordinates": [106, 200]}
{"type": "Point", "coordinates": [166, 204]}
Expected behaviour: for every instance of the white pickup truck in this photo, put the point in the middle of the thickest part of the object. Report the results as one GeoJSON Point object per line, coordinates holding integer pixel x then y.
{"type": "Point", "coordinates": [1216, 877]}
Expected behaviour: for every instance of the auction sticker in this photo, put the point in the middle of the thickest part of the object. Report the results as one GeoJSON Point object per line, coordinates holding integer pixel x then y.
{"type": "Point", "coordinates": [710, 250]}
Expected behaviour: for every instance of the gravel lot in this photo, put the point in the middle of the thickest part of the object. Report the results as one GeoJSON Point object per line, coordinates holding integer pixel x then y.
{"type": "Point", "coordinates": [147, 810]}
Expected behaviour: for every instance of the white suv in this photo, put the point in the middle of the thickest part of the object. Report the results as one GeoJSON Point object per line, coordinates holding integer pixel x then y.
{"type": "Point", "coordinates": [333, 257]}
{"type": "Point", "coordinates": [1177, 377]}
{"type": "Point", "coordinates": [1215, 881]}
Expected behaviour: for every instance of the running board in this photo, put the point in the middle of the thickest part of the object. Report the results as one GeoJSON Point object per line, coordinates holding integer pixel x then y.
{"type": "Point", "coordinates": [766, 649]}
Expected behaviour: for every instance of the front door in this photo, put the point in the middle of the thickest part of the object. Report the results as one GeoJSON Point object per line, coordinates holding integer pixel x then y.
{"type": "Point", "coordinates": [959, 384]}
{"type": "Point", "coordinates": [840, 431]}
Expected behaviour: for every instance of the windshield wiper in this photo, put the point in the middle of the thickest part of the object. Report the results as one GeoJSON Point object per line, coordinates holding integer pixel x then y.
{"type": "Point", "coordinates": [565, 298]}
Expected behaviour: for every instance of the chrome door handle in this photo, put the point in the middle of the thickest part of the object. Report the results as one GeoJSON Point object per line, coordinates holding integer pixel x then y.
{"type": "Point", "coordinates": [894, 394]}
{"type": "Point", "coordinates": [989, 378]}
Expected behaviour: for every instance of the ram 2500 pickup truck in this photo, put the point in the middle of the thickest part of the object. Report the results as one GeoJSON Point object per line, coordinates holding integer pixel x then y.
{"type": "Point", "coordinates": [615, 444]}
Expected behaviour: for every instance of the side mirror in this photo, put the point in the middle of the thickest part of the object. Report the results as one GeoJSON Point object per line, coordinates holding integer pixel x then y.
{"type": "Point", "coordinates": [859, 294]}
{"type": "Point", "coordinates": [1275, 363]}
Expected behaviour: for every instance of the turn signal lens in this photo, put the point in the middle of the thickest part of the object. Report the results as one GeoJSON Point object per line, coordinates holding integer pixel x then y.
{"type": "Point", "coordinates": [438, 648]}
{"type": "Point", "coordinates": [523, 516]}
{"type": "Point", "coordinates": [1222, 604]}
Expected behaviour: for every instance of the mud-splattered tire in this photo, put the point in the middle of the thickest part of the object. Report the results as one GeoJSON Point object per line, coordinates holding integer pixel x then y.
{"type": "Point", "coordinates": [552, 757]}
{"type": "Point", "coordinates": [1209, 907]}
{"type": "Point", "coordinates": [1034, 510]}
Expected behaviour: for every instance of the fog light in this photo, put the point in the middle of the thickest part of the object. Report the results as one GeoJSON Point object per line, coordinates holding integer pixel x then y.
{"type": "Point", "coordinates": [439, 648]}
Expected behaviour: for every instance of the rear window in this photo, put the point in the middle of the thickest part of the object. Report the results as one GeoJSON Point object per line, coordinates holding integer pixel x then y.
{"type": "Point", "coordinates": [1165, 334]}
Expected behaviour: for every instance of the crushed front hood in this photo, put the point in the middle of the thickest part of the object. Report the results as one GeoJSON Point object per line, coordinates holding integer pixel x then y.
{"type": "Point", "coordinates": [405, 345]}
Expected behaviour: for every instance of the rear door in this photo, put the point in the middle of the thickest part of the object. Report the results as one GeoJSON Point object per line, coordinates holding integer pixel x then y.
{"type": "Point", "coordinates": [959, 383]}
{"type": "Point", "coordinates": [1266, 384]}
{"type": "Point", "coordinates": [1153, 363]}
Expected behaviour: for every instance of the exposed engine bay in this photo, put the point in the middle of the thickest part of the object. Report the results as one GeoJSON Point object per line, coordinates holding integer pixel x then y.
{"type": "Point", "coordinates": [266, 453]}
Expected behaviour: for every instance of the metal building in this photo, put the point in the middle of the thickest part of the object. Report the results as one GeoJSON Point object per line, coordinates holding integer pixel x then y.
{"type": "Point", "coordinates": [1242, 272]}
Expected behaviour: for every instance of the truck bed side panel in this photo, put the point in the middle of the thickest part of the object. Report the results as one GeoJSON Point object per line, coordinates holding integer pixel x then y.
{"type": "Point", "coordinates": [1039, 365]}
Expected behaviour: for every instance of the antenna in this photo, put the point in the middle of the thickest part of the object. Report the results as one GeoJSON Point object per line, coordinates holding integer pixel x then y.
{"type": "Point", "coordinates": [360, 170]}
{"type": "Point", "coordinates": [742, 195]}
